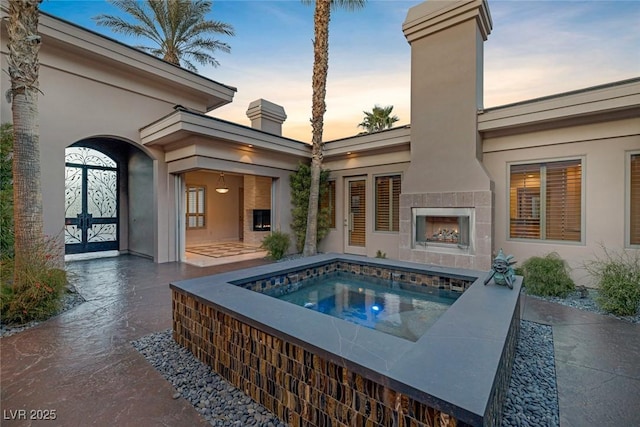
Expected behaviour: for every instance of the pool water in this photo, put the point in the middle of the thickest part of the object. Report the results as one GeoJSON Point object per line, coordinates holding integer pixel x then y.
{"type": "Point", "coordinates": [403, 310]}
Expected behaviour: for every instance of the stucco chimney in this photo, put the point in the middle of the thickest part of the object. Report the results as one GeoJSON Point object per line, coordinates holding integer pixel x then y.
{"type": "Point", "coordinates": [266, 116]}
{"type": "Point", "coordinates": [446, 177]}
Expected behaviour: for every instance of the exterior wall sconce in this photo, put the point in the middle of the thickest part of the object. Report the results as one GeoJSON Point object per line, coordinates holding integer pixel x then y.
{"type": "Point", "coordinates": [221, 186]}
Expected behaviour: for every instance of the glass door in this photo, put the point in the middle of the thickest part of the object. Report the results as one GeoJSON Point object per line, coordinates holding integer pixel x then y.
{"type": "Point", "coordinates": [356, 216]}
{"type": "Point", "coordinates": [91, 201]}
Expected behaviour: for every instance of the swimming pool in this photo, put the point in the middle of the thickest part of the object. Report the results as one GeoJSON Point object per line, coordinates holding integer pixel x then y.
{"type": "Point", "coordinates": [400, 309]}
{"type": "Point", "coordinates": [311, 369]}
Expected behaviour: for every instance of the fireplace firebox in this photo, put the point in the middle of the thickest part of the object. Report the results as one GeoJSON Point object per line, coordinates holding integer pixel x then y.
{"type": "Point", "coordinates": [261, 219]}
{"type": "Point", "coordinates": [443, 227]}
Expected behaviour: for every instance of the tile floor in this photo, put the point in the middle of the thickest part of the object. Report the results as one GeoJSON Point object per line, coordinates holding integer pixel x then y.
{"type": "Point", "coordinates": [222, 253]}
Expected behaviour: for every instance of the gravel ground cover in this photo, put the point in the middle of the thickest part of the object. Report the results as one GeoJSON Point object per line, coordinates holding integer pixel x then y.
{"type": "Point", "coordinates": [214, 398]}
{"type": "Point", "coordinates": [532, 399]}
{"type": "Point", "coordinates": [70, 299]}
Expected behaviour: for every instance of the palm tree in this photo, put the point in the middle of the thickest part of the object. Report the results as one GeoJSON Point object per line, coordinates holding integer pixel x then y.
{"type": "Point", "coordinates": [23, 66]}
{"type": "Point", "coordinates": [178, 28]}
{"type": "Point", "coordinates": [378, 119]}
{"type": "Point", "coordinates": [321, 18]}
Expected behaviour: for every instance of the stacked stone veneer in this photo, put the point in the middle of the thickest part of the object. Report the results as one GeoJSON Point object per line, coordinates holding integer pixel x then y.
{"type": "Point", "coordinates": [301, 388]}
{"type": "Point", "coordinates": [479, 257]}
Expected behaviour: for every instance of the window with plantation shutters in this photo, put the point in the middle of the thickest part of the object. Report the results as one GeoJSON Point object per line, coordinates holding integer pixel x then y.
{"type": "Point", "coordinates": [545, 201]}
{"type": "Point", "coordinates": [387, 193]}
{"type": "Point", "coordinates": [195, 206]}
{"type": "Point", "coordinates": [634, 200]}
{"type": "Point", "coordinates": [328, 203]}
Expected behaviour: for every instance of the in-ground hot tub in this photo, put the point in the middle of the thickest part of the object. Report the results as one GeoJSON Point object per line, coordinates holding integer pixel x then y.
{"type": "Point", "coordinates": [312, 369]}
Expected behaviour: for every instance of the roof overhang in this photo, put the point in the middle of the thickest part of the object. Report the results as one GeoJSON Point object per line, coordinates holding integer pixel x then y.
{"type": "Point", "coordinates": [172, 130]}
{"type": "Point", "coordinates": [615, 101]}
{"type": "Point", "coordinates": [391, 140]}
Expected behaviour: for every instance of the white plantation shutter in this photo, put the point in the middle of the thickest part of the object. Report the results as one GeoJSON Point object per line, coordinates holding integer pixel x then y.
{"type": "Point", "coordinates": [195, 207]}
{"type": "Point", "coordinates": [387, 203]}
{"type": "Point", "coordinates": [525, 201]}
{"type": "Point", "coordinates": [563, 196]}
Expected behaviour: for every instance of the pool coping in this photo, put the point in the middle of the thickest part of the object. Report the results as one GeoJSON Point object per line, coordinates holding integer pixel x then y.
{"type": "Point", "coordinates": [461, 352]}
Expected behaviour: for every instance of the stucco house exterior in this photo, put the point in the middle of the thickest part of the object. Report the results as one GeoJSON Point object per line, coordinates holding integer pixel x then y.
{"type": "Point", "coordinates": [560, 173]}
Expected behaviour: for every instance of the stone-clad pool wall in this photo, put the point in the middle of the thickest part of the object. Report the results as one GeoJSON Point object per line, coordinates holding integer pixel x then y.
{"type": "Point", "coordinates": [298, 386]}
{"type": "Point", "coordinates": [297, 368]}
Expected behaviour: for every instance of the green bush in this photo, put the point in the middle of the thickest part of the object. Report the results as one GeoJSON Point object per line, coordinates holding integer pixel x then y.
{"type": "Point", "coordinates": [276, 244]}
{"type": "Point", "coordinates": [6, 192]}
{"type": "Point", "coordinates": [41, 287]}
{"type": "Point", "coordinates": [547, 276]}
{"type": "Point", "coordinates": [618, 279]}
{"type": "Point", "coordinates": [300, 182]}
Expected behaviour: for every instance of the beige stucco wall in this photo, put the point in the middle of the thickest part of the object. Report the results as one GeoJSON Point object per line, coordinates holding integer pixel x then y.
{"type": "Point", "coordinates": [367, 168]}
{"type": "Point", "coordinates": [603, 147]}
{"type": "Point", "coordinates": [84, 96]}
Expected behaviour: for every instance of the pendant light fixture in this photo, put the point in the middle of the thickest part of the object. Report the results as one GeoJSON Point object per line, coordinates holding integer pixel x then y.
{"type": "Point", "coordinates": [221, 187]}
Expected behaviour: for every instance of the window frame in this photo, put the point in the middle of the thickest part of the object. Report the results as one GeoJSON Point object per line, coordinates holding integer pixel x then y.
{"type": "Point", "coordinates": [583, 168]}
{"type": "Point", "coordinates": [196, 215]}
{"type": "Point", "coordinates": [375, 202]}
{"type": "Point", "coordinates": [627, 200]}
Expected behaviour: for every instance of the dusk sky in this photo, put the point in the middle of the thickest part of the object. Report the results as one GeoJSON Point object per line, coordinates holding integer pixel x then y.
{"type": "Point", "coordinates": [536, 48]}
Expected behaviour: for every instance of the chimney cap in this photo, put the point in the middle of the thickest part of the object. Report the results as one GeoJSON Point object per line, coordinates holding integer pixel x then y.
{"type": "Point", "coordinates": [263, 109]}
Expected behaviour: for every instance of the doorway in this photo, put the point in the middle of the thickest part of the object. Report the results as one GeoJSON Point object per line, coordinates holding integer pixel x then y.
{"type": "Point", "coordinates": [91, 201]}
{"type": "Point", "coordinates": [356, 216]}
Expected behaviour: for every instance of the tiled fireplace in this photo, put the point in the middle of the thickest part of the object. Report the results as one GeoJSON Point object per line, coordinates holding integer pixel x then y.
{"type": "Point", "coordinates": [452, 229]}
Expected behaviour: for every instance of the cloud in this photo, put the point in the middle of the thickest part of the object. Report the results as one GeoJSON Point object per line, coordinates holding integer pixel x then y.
{"type": "Point", "coordinates": [535, 49]}
{"type": "Point", "coordinates": [543, 48]}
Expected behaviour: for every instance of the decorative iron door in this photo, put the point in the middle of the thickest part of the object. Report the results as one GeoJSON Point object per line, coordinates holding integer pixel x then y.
{"type": "Point", "coordinates": [91, 201]}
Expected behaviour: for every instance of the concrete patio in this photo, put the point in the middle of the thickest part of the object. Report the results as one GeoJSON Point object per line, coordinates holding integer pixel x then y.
{"type": "Point", "coordinates": [81, 363]}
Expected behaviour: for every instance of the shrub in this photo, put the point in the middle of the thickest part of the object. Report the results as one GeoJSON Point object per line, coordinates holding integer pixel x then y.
{"type": "Point", "coordinates": [547, 276]}
{"type": "Point", "coordinates": [276, 244]}
{"type": "Point", "coordinates": [41, 286]}
{"type": "Point", "coordinates": [300, 182]}
{"type": "Point", "coordinates": [6, 192]}
{"type": "Point", "coordinates": [618, 279]}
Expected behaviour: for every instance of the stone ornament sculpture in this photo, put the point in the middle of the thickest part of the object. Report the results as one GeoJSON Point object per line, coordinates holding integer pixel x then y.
{"type": "Point", "coordinates": [502, 271]}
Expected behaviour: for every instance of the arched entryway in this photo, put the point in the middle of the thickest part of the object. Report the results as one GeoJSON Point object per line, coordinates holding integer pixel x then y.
{"type": "Point", "coordinates": [91, 201]}
{"type": "Point", "coordinates": [109, 197]}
